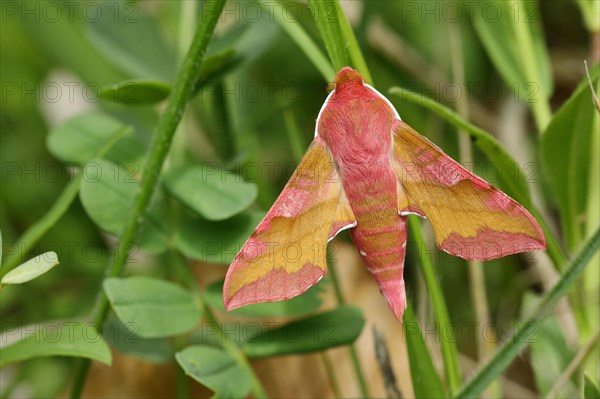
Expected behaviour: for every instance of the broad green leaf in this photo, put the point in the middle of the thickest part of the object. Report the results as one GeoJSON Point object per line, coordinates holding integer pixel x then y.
{"type": "Point", "coordinates": [425, 379]}
{"type": "Point", "coordinates": [136, 92]}
{"type": "Point", "coordinates": [341, 326]}
{"type": "Point", "coordinates": [550, 354]}
{"type": "Point", "coordinates": [150, 307]}
{"type": "Point", "coordinates": [566, 151]}
{"type": "Point", "coordinates": [90, 135]}
{"type": "Point", "coordinates": [216, 369]}
{"type": "Point", "coordinates": [590, 389]}
{"type": "Point", "coordinates": [107, 194]}
{"type": "Point", "coordinates": [132, 40]}
{"type": "Point", "coordinates": [213, 193]}
{"type": "Point", "coordinates": [297, 306]}
{"type": "Point", "coordinates": [511, 32]}
{"type": "Point", "coordinates": [125, 340]}
{"type": "Point", "coordinates": [216, 242]}
{"type": "Point", "coordinates": [31, 269]}
{"type": "Point", "coordinates": [60, 338]}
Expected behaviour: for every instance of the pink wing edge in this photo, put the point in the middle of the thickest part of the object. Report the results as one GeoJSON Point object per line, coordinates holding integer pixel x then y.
{"type": "Point", "coordinates": [504, 243]}
{"type": "Point", "coordinates": [277, 285]}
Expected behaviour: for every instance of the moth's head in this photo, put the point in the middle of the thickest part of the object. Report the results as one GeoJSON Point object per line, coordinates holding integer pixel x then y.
{"type": "Point", "coordinates": [346, 75]}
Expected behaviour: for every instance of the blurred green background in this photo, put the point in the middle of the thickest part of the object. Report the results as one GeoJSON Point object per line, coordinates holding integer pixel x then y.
{"type": "Point", "coordinates": [253, 116]}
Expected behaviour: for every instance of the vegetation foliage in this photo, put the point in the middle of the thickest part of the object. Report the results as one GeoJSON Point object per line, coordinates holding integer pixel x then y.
{"type": "Point", "coordinates": [161, 161]}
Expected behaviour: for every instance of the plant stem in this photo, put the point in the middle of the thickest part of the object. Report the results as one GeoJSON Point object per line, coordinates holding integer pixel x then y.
{"type": "Point", "coordinates": [167, 125]}
{"type": "Point", "coordinates": [330, 374]}
{"type": "Point", "coordinates": [513, 346]}
{"type": "Point", "coordinates": [181, 384]}
{"type": "Point", "coordinates": [362, 382]}
{"type": "Point", "coordinates": [37, 230]}
{"type": "Point", "coordinates": [448, 346]}
{"type": "Point", "coordinates": [337, 290]}
{"type": "Point", "coordinates": [187, 20]}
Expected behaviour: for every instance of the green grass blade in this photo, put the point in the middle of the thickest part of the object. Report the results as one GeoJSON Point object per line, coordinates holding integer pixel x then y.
{"type": "Point", "coordinates": [326, 16]}
{"type": "Point", "coordinates": [302, 39]}
{"type": "Point", "coordinates": [449, 350]}
{"type": "Point", "coordinates": [338, 36]}
{"type": "Point", "coordinates": [515, 344]}
{"type": "Point", "coordinates": [515, 44]}
{"type": "Point", "coordinates": [425, 379]}
{"type": "Point", "coordinates": [590, 10]}
{"type": "Point", "coordinates": [353, 49]}
{"type": "Point", "coordinates": [36, 231]}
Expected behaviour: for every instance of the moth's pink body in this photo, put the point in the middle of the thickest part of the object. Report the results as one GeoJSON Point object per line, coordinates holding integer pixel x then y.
{"type": "Point", "coordinates": [356, 123]}
{"type": "Point", "coordinates": [365, 170]}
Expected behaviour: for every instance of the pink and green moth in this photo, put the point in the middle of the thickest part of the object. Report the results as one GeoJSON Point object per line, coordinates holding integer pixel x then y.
{"type": "Point", "coordinates": [366, 170]}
